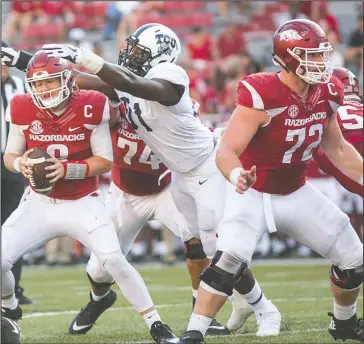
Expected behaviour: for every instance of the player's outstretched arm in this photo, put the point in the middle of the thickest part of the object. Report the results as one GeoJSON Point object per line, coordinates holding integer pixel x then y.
{"type": "Point", "coordinates": [341, 153]}
{"type": "Point", "coordinates": [241, 128]}
{"type": "Point", "coordinates": [119, 78]}
{"type": "Point", "coordinates": [158, 90]}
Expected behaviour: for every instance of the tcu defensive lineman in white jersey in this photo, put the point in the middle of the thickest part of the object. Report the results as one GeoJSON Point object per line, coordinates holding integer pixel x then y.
{"type": "Point", "coordinates": [158, 105]}
{"type": "Point", "coordinates": [155, 92]}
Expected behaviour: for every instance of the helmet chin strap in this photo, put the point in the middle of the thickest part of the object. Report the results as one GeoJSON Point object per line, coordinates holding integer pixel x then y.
{"type": "Point", "coordinates": [279, 62]}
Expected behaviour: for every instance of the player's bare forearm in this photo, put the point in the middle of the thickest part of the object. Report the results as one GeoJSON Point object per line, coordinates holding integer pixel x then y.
{"type": "Point", "coordinates": [227, 160]}
{"type": "Point", "coordinates": [347, 159]}
{"type": "Point", "coordinates": [85, 81]}
{"type": "Point", "coordinates": [98, 165]}
{"type": "Point", "coordinates": [124, 80]}
{"type": "Point", "coordinates": [9, 159]}
{"type": "Point", "coordinates": [341, 153]}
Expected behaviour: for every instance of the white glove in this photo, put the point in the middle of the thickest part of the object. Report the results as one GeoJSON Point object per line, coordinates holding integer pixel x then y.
{"type": "Point", "coordinates": [80, 56]}
{"type": "Point", "coordinates": [67, 51]}
{"type": "Point", "coordinates": [9, 56]}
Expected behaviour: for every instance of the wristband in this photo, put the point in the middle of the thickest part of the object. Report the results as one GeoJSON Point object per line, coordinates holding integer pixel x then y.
{"type": "Point", "coordinates": [91, 61]}
{"type": "Point", "coordinates": [75, 169]}
{"type": "Point", "coordinates": [234, 175]}
{"type": "Point", "coordinates": [16, 164]}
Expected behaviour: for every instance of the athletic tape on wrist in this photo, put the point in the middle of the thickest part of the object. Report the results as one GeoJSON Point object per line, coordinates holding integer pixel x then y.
{"type": "Point", "coordinates": [91, 61]}
{"type": "Point", "coordinates": [16, 164]}
{"type": "Point", "coordinates": [75, 169]}
{"type": "Point", "coordinates": [234, 175]}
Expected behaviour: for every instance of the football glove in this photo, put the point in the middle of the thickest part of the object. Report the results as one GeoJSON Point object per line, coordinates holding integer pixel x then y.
{"type": "Point", "coordinates": [9, 56]}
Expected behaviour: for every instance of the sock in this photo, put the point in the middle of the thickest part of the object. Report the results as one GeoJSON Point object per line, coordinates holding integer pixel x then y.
{"type": "Point", "coordinates": [256, 298]}
{"type": "Point", "coordinates": [98, 298]}
{"type": "Point", "coordinates": [194, 297]}
{"type": "Point", "coordinates": [344, 312]}
{"type": "Point", "coordinates": [199, 323]}
{"type": "Point", "coordinates": [151, 317]}
{"type": "Point", "coordinates": [10, 303]}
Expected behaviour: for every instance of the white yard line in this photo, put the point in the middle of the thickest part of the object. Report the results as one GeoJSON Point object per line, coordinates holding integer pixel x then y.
{"type": "Point", "coordinates": [169, 305]}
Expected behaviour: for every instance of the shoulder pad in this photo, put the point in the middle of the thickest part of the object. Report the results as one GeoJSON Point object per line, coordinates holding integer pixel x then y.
{"type": "Point", "coordinates": [255, 91]}
{"type": "Point", "coordinates": [169, 72]}
{"type": "Point", "coordinates": [21, 108]}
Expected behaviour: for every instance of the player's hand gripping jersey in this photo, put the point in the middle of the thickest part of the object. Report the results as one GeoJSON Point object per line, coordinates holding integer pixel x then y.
{"type": "Point", "coordinates": [73, 136]}
{"type": "Point", "coordinates": [283, 149]}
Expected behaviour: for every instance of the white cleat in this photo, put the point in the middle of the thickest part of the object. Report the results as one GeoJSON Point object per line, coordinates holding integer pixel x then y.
{"type": "Point", "coordinates": [241, 312]}
{"type": "Point", "coordinates": [269, 322]}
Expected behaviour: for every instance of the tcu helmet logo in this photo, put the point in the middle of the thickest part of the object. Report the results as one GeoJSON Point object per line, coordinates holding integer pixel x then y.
{"type": "Point", "coordinates": [290, 35]}
{"type": "Point", "coordinates": [293, 111]}
{"type": "Point", "coordinates": [36, 127]}
{"type": "Point", "coordinates": [165, 41]}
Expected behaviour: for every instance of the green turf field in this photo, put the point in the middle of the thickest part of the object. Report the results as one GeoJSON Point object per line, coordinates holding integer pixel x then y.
{"type": "Point", "coordinates": [300, 292]}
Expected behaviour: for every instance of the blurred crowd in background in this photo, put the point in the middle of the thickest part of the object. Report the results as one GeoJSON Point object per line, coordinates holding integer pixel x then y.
{"type": "Point", "coordinates": [222, 43]}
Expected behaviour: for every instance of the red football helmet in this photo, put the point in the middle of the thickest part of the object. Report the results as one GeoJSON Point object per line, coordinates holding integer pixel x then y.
{"type": "Point", "coordinates": [348, 79]}
{"type": "Point", "coordinates": [296, 43]}
{"type": "Point", "coordinates": [43, 67]}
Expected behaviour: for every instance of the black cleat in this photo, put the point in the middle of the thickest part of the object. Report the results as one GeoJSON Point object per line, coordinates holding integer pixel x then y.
{"type": "Point", "coordinates": [22, 299]}
{"type": "Point", "coordinates": [162, 334]}
{"type": "Point", "coordinates": [216, 329]}
{"type": "Point", "coordinates": [352, 328]}
{"type": "Point", "coordinates": [192, 337]}
{"type": "Point", "coordinates": [88, 315]}
{"type": "Point", "coordinates": [13, 314]}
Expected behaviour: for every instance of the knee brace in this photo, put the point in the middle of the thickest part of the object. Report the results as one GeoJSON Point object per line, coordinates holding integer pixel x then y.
{"type": "Point", "coordinates": [223, 271]}
{"type": "Point", "coordinates": [194, 249]}
{"type": "Point", "coordinates": [349, 279]}
{"type": "Point", "coordinates": [99, 284]}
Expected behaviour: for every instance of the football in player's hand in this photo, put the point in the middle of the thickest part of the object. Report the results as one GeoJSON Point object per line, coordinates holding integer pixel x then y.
{"type": "Point", "coordinates": [38, 180]}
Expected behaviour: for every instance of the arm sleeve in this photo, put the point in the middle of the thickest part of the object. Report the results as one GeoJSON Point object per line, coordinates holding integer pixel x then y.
{"type": "Point", "coordinates": [101, 138]}
{"type": "Point", "coordinates": [16, 140]}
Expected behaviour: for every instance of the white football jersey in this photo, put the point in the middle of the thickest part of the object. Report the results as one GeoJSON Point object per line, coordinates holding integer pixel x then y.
{"type": "Point", "coordinates": [174, 133]}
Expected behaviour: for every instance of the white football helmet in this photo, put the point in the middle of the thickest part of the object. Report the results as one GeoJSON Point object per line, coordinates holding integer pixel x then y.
{"type": "Point", "coordinates": [148, 46]}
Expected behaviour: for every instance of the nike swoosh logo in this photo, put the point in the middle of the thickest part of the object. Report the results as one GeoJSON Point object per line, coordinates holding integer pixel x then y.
{"type": "Point", "coordinates": [216, 327]}
{"type": "Point", "coordinates": [173, 341]}
{"type": "Point", "coordinates": [73, 129]}
{"type": "Point", "coordinates": [12, 322]}
{"type": "Point", "coordinates": [321, 101]}
{"type": "Point", "coordinates": [204, 181]}
{"type": "Point", "coordinates": [79, 328]}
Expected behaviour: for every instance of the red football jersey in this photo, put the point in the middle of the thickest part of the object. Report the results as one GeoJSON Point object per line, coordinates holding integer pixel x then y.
{"type": "Point", "coordinates": [350, 119]}
{"type": "Point", "coordinates": [283, 149]}
{"type": "Point", "coordinates": [66, 137]}
{"type": "Point", "coordinates": [136, 169]}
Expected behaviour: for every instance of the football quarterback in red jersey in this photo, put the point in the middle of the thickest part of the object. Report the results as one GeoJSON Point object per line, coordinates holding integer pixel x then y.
{"type": "Point", "coordinates": [279, 121]}
{"type": "Point", "coordinates": [73, 127]}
